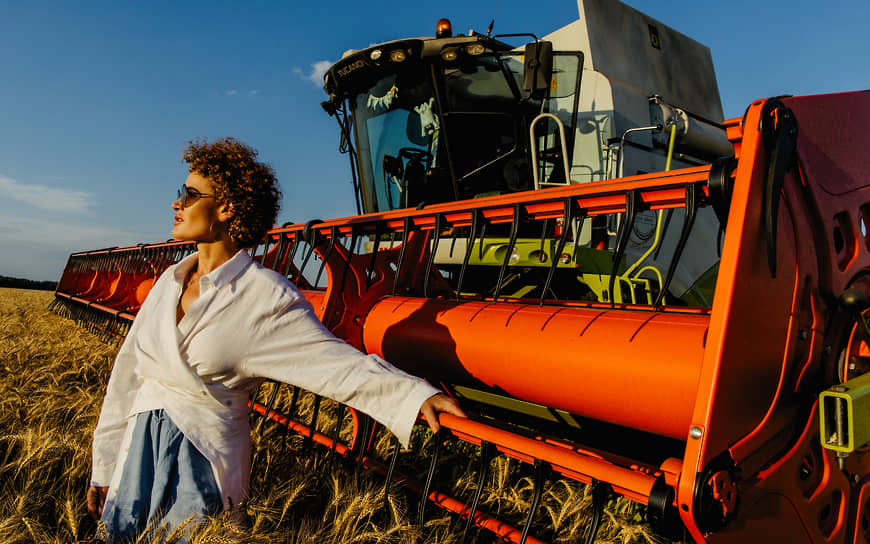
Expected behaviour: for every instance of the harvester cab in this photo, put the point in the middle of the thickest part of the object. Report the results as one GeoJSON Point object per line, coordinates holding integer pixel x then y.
{"type": "Point", "coordinates": [446, 118]}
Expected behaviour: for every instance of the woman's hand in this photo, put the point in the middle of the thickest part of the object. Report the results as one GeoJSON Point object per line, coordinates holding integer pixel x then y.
{"type": "Point", "coordinates": [96, 498]}
{"type": "Point", "coordinates": [439, 403]}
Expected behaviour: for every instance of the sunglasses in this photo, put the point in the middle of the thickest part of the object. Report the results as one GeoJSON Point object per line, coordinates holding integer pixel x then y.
{"type": "Point", "coordinates": [189, 195]}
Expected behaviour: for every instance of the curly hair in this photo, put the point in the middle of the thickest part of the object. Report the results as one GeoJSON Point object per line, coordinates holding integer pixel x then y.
{"type": "Point", "coordinates": [249, 186]}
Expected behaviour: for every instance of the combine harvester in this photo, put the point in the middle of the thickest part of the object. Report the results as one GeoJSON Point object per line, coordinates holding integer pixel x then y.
{"type": "Point", "coordinates": [620, 287]}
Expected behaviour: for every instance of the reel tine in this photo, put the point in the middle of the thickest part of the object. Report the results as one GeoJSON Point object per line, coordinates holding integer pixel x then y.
{"type": "Point", "coordinates": [406, 229]}
{"type": "Point", "coordinates": [269, 405]}
{"type": "Point", "coordinates": [370, 271]}
{"type": "Point", "coordinates": [363, 446]}
{"type": "Point", "coordinates": [254, 395]}
{"type": "Point", "coordinates": [354, 238]}
{"type": "Point", "coordinates": [105, 321]}
{"type": "Point", "coordinates": [309, 252]}
{"type": "Point", "coordinates": [633, 204]}
{"type": "Point", "coordinates": [544, 227]}
{"type": "Point", "coordinates": [430, 475]}
{"type": "Point", "coordinates": [339, 416]}
{"type": "Point", "coordinates": [333, 234]}
{"type": "Point", "coordinates": [600, 494]}
{"type": "Point", "coordinates": [692, 204]}
{"type": "Point", "coordinates": [281, 243]}
{"type": "Point", "coordinates": [486, 455]}
{"type": "Point", "coordinates": [436, 239]}
{"type": "Point", "coordinates": [294, 398]}
{"type": "Point", "coordinates": [114, 328]}
{"type": "Point", "coordinates": [469, 247]}
{"type": "Point", "coordinates": [540, 478]}
{"type": "Point", "coordinates": [482, 237]}
{"type": "Point", "coordinates": [309, 440]}
{"type": "Point", "coordinates": [567, 217]}
{"type": "Point", "coordinates": [393, 458]}
{"type": "Point", "coordinates": [294, 248]}
{"type": "Point", "coordinates": [266, 241]}
{"type": "Point", "coordinates": [515, 225]}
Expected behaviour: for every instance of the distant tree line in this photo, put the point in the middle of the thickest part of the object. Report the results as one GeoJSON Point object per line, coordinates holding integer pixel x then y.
{"type": "Point", "coordinates": [20, 283]}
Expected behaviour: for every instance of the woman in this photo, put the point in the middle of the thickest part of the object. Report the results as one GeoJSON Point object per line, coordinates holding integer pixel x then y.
{"type": "Point", "coordinates": [173, 438]}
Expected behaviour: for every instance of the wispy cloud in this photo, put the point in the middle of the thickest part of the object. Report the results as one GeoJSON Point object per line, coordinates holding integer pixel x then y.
{"type": "Point", "coordinates": [41, 245]}
{"type": "Point", "coordinates": [71, 235]}
{"type": "Point", "coordinates": [46, 198]}
{"type": "Point", "coordinates": [235, 92]}
{"type": "Point", "coordinates": [315, 75]}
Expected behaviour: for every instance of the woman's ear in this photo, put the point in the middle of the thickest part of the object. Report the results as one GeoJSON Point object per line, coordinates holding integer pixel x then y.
{"type": "Point", "coordinates": [226, 212]}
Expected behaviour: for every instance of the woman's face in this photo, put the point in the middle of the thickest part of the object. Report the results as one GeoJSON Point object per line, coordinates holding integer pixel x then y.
{"type": "Point", "coordinates": [196, 218]}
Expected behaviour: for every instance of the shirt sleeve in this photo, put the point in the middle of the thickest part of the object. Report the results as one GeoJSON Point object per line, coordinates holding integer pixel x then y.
{"type": "Point", "coordinates": [294, 347]}
{"type": "Point", "coordinates": [120, 393]}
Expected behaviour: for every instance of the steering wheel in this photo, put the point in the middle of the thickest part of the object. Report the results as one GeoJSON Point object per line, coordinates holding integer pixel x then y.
{"type": "Point", "coordinates": [414, 154]}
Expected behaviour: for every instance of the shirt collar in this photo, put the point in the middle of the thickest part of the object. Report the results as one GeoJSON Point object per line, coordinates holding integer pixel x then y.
{"type": "Point", "coordinates": [218, 277]}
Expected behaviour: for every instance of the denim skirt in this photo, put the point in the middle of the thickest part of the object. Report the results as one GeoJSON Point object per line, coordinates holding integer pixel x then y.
{"type": "Point", "coordinates": [165, 482]}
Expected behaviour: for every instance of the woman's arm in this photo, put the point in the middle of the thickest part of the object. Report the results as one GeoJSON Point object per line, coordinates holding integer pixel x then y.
{"type": "Point", "coordinates": [294, 347]}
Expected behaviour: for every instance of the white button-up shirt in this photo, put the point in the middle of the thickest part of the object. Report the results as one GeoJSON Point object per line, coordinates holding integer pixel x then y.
{"type": "Point", "coordinates": [248, 324]}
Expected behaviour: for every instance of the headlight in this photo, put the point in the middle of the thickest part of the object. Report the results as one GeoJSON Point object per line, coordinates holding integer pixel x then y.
{"type": "Point", "coordinates": [376, 54]}
{"type": "Point", "coordinates": [397, 55]}
{"type": "Point", "coordinates": [448, 55]}
{"type": "Point", "coordinates": [475, 49]}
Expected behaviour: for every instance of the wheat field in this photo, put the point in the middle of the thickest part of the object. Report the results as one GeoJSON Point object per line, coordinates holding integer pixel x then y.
{"type": "Point", "coordinates": [54, 375]}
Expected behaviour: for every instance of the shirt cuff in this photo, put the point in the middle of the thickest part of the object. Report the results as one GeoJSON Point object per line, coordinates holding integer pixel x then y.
{"type": "Point", "coordinates": [101, 478]}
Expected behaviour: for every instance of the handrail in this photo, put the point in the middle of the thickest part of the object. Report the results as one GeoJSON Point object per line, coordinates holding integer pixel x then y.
{"type": "Point", "coordinates": [534, 150]}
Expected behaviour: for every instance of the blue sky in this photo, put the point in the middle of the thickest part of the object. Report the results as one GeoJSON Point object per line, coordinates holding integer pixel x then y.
{"type": "Point", "coordinates": [98, 98]}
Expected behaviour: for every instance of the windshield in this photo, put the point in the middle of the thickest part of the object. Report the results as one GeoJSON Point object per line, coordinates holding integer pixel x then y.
{"type": "Point", "coordinates": [411, 152]}
{"type": "Point", "coordinates": [486, 119]}
{"type": "Point", "coordinates": [397, 131]}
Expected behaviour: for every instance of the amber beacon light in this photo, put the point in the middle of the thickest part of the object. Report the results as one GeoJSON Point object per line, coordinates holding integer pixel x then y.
{"type": "Point", "coordinates": [443, 29]}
